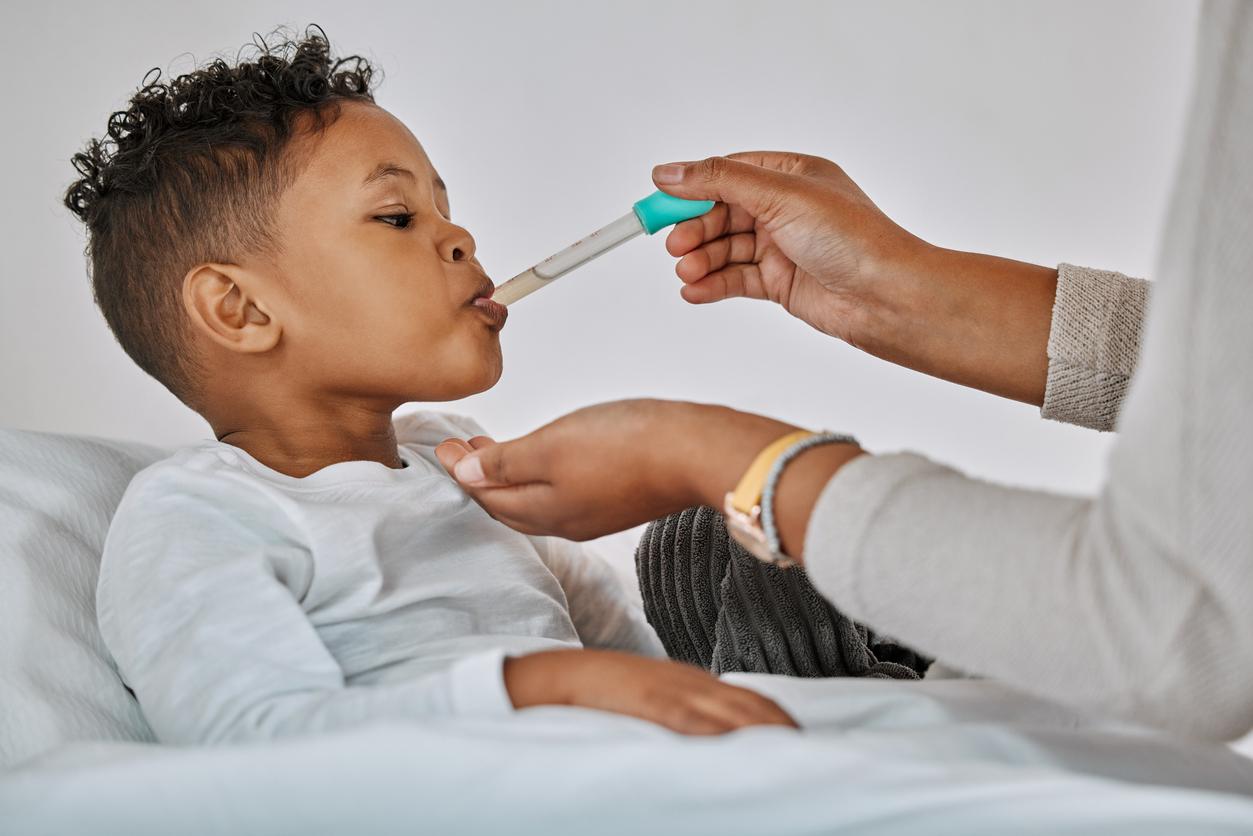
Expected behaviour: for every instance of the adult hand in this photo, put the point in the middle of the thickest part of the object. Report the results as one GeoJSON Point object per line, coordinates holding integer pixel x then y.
{"type": "Point", "coordinates": [790, 228]}
{"type": "Point", "coordinates": [612, 466]}
{"type": "Point", "coordinates": [798, 231]}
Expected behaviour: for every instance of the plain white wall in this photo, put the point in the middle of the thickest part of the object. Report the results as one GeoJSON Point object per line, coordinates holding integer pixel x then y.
{"type": "Point", "coordinates": [1044, 131]}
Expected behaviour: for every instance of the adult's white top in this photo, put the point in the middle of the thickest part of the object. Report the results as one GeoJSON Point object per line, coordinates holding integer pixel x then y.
{"type": "Point", "coordinates": [1138, 601]}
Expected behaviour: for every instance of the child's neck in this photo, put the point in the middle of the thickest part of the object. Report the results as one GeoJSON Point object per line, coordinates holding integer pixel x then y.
{"type": "Point", "coordinates": [300, 441]}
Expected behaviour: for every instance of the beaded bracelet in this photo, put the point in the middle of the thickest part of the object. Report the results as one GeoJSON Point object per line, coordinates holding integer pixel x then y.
{"type": "Point", "coordinates": [768, 526]}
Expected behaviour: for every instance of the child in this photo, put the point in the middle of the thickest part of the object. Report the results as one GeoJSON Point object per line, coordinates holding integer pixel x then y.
{"type": "Point", "coordinates": [278, 251]}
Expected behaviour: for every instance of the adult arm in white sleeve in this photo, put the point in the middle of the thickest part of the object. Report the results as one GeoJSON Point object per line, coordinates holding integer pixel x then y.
{"type": "Point", "coordinates": [1135, 601]}
{"type": "Point", "coordinates": [603, 614]}
{"type": "Point", "coordinates": [195, 607]}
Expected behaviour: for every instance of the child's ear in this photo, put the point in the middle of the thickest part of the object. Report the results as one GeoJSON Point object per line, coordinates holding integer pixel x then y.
{"type": "Point", "coordinates": [223, 304]}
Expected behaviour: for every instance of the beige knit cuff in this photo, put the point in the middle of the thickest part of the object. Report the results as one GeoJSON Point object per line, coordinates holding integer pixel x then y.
{"type": "Point", "coordinates": [1094, 343]}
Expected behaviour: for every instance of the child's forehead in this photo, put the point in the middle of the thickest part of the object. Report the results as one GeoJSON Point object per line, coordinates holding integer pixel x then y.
{"type": "Point", "coordinates": [351, 150]}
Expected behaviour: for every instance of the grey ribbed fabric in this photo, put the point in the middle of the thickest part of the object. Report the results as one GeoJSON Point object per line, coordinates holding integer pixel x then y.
{"type": "Point", "coordinates": [715, 605]}
{"type": "Point", "coordinates": [1093, 345]}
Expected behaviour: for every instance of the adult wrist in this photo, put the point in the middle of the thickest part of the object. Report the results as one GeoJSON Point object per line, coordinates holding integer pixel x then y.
{"type": "Point", "coordinates": [976, 320]}
{"type": "Point", "coordinates": [725, 442]}
{"type": "Point", "coordinates": [899, 298]}
{"type": "Point", "coordinates": [799, 487]}
{"type": "Point", "coordinates": [797, 446]}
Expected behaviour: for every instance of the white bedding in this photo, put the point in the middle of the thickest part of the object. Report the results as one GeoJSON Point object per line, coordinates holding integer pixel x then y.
{"type": "Point", "coordinates": [876, 757]}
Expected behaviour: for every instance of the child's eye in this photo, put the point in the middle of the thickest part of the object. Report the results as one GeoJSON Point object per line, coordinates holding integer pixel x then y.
{"type": "Point", "coordinates": [400, 221]}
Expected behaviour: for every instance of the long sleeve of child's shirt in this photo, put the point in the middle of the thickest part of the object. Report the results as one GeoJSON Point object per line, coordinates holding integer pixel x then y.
{"type": "Point", "coordinates": [602, 613]}
{"type": "Point", "coordinates": [240, 603]}
{"type": "Point", "coordinates": [203, 625]}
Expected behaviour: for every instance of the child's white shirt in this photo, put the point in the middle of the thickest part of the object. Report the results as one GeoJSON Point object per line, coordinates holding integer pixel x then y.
{"type": "Point", "coordinates": [239, 602]}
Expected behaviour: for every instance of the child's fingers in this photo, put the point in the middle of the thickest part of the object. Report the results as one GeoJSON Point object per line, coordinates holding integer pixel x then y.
{"type": "Point", "coordinates": [696, 723]}
{"type": "Point", "coordinates": [686, 713]}
{"type": "Point", "coordinates": [761, 709]}
{"type": "Point", "coordinates": [481, 441]}
{"type": "Point", "coordinates": [742, 707]}
{"type": "Point", "coordinates": [720, 706]}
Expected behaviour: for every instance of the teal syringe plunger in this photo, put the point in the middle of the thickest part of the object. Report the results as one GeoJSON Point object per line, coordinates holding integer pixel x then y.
{"type": "Point", "coordinates": [657, 211]}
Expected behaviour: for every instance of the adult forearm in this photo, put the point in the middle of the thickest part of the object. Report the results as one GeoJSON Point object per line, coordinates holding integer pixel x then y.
{"type": "Point", "coordinates": [611, 466]}
{"type": "Point", "coordinates": [977, 320]}
{"type": "Point", "coordinates": [797, 230]}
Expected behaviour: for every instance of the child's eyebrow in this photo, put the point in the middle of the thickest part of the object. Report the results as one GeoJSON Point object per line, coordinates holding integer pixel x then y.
{"type": "Point", "coordinates": [384, 170]}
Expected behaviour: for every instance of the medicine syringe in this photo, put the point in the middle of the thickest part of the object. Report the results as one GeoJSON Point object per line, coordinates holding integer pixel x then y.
{"type": "Point", "coordinates": [657, 211]}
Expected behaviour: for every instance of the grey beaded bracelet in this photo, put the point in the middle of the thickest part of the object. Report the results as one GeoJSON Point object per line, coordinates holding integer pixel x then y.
{"type": "Point", "coordinates": [768, 526]}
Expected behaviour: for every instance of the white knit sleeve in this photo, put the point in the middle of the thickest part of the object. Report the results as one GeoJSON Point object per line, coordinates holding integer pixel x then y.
{"type": "Point", "coordinates": [1136, 600]}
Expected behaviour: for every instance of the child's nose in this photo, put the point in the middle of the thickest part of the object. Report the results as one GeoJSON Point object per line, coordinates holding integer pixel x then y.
{"type": "Point", "coordinates": [458, 245]}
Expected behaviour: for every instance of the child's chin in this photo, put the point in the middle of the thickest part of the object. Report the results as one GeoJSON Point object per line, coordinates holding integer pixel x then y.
{"type": "Point", "coordinates": [488, 381]}
{"type": "Point", "coordinates": [489, 377]}
{"type": "Point", "coordinates": [474, 374]}
{"type": "Point", "coordinates": [495, 367]}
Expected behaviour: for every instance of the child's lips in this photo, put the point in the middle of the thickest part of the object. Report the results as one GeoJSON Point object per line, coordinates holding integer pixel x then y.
{"type": "Point", "coordinates": [494, 312]}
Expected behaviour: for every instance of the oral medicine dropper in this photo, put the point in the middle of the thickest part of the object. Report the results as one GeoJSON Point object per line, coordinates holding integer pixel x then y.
{"type": "Point", "coordinates": [657, 211]}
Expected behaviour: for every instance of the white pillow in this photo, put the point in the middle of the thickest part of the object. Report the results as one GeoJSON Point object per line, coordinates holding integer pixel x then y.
{"type": "Point", "coordinates": [57, 682]}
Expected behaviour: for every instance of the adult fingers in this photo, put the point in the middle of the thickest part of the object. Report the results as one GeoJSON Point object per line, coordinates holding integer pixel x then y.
{"type": "Point", "coordinates": [718, 221]}
{"type": "Point", "coordinates": [789, 162]}
{"type": "Point", "coordinates": [527, 508]}
{"type": "Point", "coordinates": [715, 255]}
{"type": "Point", "coordinates": [452, 450]}
{"type": "Point", "coordinates": [733, 281]}
{"type": "Point", "coordinates": [761, 191]}
{"type": "Point", "coordinates": [503, 464]}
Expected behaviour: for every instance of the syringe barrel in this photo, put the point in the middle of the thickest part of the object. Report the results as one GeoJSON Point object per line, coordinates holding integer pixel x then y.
{"type": "Point", "coordinates": [651, 214]}
{"type": "Point", "coordinates": [523, 284]}
{"type": "Point", "coordinates": [585, 249]}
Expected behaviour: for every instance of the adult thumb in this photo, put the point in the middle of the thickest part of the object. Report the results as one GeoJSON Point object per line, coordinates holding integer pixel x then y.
{"type": "Point", "coordinates": [478, 469]}
{"type": "Point", "coordinates": [759, 190]}
{"type": "Point", "coordinates": [499, 464]}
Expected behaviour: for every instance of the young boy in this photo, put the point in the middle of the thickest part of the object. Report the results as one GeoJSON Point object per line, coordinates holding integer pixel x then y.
{"type": "Point", "coordinates": [278, 251]}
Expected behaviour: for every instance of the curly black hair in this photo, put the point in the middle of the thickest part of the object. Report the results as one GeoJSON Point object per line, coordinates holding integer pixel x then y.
{"type": "Point", "coordinates": [191, 172]}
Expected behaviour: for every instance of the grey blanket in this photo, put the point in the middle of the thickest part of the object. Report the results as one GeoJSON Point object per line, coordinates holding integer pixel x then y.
{"type": "Point", "coordinates": [715, 605]}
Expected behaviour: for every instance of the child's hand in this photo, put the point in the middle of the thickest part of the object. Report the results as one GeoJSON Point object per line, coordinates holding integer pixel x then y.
{"type": "Point", "coordinates": [680, 697]}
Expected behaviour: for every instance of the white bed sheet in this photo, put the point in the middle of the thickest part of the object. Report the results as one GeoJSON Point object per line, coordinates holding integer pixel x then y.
{"type": "Point", "coordinates": [875, 757]}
